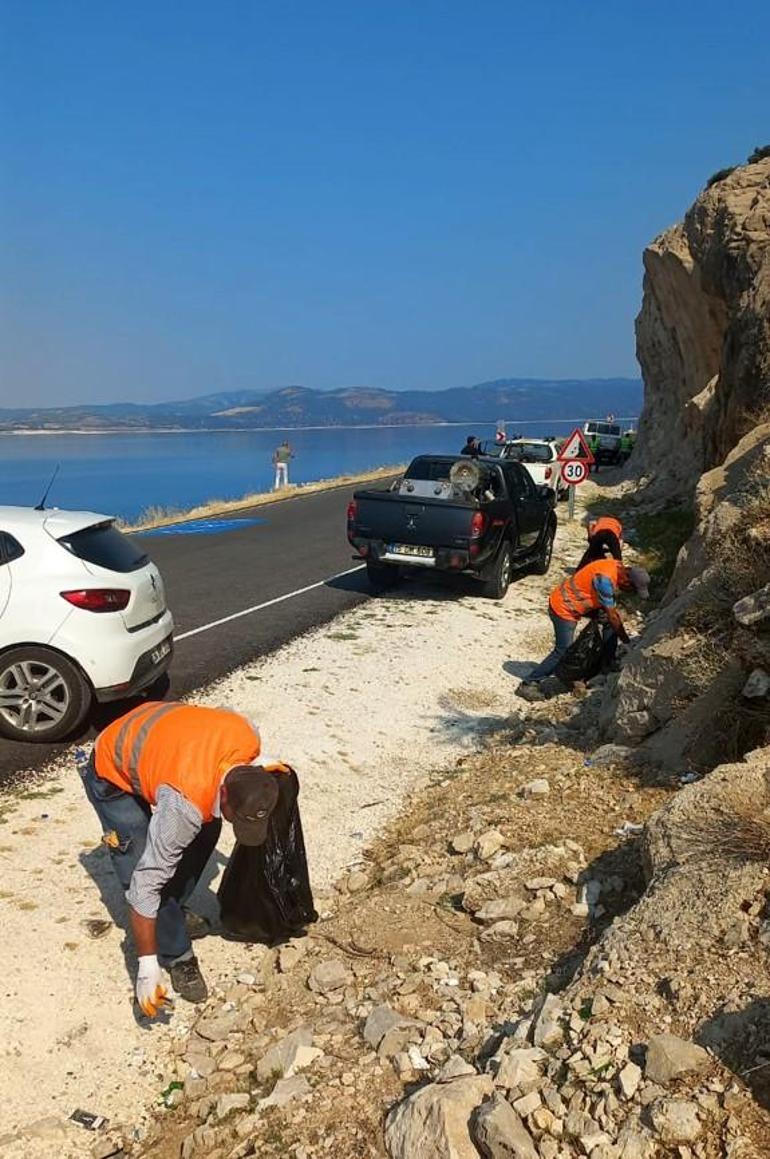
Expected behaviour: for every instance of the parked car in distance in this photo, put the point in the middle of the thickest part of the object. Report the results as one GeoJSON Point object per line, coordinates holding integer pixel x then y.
{"type": "Point", "coordinates": [608, 436]}
{"type": "Point", "coordinates": [539, 459]}
{"type": "Point", "coordinates": [83, 617]}
{"type": "Point", "coordinates": [482, 516]}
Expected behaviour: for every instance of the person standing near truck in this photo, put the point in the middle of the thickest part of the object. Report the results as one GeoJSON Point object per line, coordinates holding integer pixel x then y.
{"type": "Point", "coordinates": [590, 591]}
{"type": "Point", "coordinates": [282, 456]}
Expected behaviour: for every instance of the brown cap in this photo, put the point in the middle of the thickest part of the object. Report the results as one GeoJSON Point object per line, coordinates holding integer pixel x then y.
{"type": "Point", "coordinates": [252, 794]}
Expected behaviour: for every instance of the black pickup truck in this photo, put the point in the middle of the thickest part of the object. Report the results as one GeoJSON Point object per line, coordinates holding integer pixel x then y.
{"type": "Point", "coordinates": [481, 516]}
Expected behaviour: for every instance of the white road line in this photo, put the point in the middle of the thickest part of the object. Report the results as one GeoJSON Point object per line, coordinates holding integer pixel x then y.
{"type": "Point", "coordinates": [267, 604]}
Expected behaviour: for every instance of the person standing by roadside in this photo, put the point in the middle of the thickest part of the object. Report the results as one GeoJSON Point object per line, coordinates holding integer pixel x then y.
{"type": "Point", "coordinates": [282, 456]}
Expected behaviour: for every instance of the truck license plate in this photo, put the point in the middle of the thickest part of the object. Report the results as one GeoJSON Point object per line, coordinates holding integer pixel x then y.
{"type": "Point", "coordinates": [410, 549]}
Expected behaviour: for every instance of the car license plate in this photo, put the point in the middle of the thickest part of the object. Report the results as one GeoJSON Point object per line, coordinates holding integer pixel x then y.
{"type": "Point", "coordinates": [410, 549]}
{"type": "Point", "coordinates": [161, 651]}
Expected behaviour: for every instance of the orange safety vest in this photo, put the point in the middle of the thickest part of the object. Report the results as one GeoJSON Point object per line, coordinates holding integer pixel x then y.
{"type": "Point", "coordinates": [605, 523]}
{"type": "Point", "coordinates": [577, 594]}
{"type": "Point", "coordinates": [182, 745]}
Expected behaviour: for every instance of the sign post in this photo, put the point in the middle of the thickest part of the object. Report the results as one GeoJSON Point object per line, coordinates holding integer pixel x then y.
{"type": "Point", "coordinates": [576, 458]}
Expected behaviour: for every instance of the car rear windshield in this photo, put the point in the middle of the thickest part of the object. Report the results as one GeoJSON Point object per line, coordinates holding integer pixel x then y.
{"type": "Point", "coordinates": [602, 429]}
{"type": "Point", "coordinates": [430, 470]}
{"type": "Point", "coordinates": [106, 547]}
{"type": "Point", "coordinates": [530, 452]}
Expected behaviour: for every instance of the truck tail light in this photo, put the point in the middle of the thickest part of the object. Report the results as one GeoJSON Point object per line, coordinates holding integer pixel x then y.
{"type": "Point", "coordinates": [98, 599]}
{"type": "Point", "coordinates": [478, 523]}
{"type": "Point", "coordinates": [548, 472]}
{"type": "Point", "coordinates": [352, 511]}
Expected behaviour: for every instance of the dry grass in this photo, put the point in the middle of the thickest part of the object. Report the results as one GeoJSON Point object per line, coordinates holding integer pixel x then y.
{"type": "Point", "coordinates": [736, 834]}
{"type": "Point", "coordinates": [155, 516]}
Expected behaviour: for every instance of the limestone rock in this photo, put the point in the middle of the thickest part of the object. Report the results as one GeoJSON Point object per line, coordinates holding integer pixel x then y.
{"type": "Point", "coordinates": [537, 788]}
{"type": "Point", "coordinates": [329, 976]}
{"type": "Point", "coordinates": [500, 909]}
{"type": "Point", "coordinates": [675, 1120]}
{"type": "Point", "coordinates": [520, 1067]}
{"type": "Point", "coordinates": [286, 1091]}
{"type": "Point", "coordinates": [757, 685]}
{"type": "Point", "coordinates": [499, 1132]}
{"type": "Point", "coordinates": [217, 1027]}
{"type": "Point", "coordinates": [629, 1079]}
{"type": "Point", "coordinates": [753, 609]}
{"type": "Point", "coordinates": [669, 1057]}
{"type": "Point", "coordinates": [488, 844]}
{"type": "Point", "coordinates": [381, 1021]}
{"type": "Point", "coordinates": [462, 842]}
{"type": "Point", "coordinates": [434, 1122]}
{"type": "Point", "coordinates": [283, 1057]}
{"type": "Point", "coordinates": [548, 1030]}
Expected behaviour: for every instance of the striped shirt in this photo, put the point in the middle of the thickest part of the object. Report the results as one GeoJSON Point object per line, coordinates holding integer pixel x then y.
{"type": "Point", "coordinates": [174, 825]}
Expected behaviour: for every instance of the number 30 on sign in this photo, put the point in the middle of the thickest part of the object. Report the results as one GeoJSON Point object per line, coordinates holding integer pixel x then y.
{"type": "Point", "coordinates": [574, 471]}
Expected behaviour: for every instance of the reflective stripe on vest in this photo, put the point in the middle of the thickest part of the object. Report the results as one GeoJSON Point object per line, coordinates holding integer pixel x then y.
{"type": "Point", "coordinates": [574, 598]}
{"type": "Point", "coordinates": [135, 755]}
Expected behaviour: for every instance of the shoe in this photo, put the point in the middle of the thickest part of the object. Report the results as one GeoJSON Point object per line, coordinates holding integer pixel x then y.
{"type": "Point", "coordinates": [187, 980]}
{"type": "Point", "coordinates": [197, 926]}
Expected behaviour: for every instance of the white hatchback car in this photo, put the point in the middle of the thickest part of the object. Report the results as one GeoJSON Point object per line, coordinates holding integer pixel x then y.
{"type": "Point", "coordinates": [83, 616]}
{"type": "Point", "coordinates": [538, 456]}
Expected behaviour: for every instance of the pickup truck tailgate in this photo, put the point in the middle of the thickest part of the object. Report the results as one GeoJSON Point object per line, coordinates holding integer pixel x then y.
{"type": "Point", "coordinates": [393, 518]}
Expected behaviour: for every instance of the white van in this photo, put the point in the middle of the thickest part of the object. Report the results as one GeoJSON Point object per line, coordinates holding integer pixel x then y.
{"type": "Point", "coordinates": [609, 436]}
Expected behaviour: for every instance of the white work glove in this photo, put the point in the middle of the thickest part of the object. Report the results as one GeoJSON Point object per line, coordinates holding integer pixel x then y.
{"type": "Point", "coordinates": [151, 989]}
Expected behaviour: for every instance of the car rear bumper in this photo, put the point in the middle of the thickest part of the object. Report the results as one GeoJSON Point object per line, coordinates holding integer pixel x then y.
{"type": "Point", "coordinates": [444, 559]}
{"type": "Point", "coordinates": [151, 665]}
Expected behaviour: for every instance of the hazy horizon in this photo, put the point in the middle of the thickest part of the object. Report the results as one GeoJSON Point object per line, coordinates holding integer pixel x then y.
{"type": "Point", "coordinates": [197, 199]}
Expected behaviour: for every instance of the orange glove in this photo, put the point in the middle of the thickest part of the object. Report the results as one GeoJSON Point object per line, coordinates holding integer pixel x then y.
{"type": "Point", "coordinates": [151, 990]}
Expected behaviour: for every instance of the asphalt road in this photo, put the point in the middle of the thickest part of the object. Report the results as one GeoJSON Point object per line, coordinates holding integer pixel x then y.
{"type": "Point", "coordinates": [298, 544]}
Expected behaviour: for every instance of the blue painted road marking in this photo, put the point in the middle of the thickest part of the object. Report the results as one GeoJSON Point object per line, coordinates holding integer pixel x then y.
{"type": "Point", "coordinates": [203, 527]}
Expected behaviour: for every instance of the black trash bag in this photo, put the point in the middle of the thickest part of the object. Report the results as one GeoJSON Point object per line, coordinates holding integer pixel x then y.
{"type": "Point", "coordinates": [265, 893]}
{"type": "Point", "coordinates": [583, 659]}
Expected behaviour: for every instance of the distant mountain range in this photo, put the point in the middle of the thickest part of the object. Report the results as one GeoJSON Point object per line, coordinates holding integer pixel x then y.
{"type": "Point", "coordinates": [514, 399]}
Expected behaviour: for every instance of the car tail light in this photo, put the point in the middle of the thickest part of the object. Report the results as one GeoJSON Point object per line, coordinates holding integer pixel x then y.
{"type": "Point", "coordinates": [98, 599]}
{"type": "Point", "coordinates": [478, 523]}
{"type": "Point", "coordinates": [548, 472]}
{"type": "Point", "coordinates": [352, 511]}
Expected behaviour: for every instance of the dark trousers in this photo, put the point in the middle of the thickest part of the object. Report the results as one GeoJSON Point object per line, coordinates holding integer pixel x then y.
{"type": "Point", "coordinates": [128, 818]}
{"type": "Point", "coordinates": [601, 545]}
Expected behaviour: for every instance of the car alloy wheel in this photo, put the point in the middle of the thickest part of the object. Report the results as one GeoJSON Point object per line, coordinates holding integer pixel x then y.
{"type": "Point", "coordinates": [34, 696]}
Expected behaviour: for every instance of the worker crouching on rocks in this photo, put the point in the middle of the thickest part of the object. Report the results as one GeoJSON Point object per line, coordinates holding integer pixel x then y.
{"type": "Point", "coordinates": [605, 538]}
{"type": "Point", "coordinates": [590, 591]}
{"type": "Point", "coordinates": [161, 778]}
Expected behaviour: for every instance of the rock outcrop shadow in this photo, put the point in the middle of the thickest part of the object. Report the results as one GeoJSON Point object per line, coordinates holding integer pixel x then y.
{"type": "Point", "coordinates": [620, 872]}
{"type": "Point", "coordinates": [741, 1041]}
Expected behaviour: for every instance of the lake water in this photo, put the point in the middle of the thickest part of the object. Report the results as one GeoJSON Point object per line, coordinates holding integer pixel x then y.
{"type": "Point", "coordinates": [125, 474]}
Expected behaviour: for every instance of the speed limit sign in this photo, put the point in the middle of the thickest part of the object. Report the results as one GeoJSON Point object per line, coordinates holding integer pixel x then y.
{"type": "Point", "coordinates": [574, 471]}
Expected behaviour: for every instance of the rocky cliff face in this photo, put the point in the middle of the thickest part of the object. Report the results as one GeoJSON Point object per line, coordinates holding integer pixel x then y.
{"type": "Point", "coordinates": [703, 333]}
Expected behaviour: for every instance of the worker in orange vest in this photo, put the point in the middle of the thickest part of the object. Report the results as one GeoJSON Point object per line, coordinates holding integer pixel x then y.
{"type": "Point", "coordinates": [605, 537]}
{"type": "Point", "coordinates": [161, 778]}
{"type": "Point", "coordinates": [590, 591]}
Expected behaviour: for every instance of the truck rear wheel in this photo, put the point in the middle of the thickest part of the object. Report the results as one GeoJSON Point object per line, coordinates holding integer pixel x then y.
{"type": "Point", "coordinates": [382, 575]}
{"type": "Point", "coordinates": [545, 552]}
{"type": "Point", "coordinates": [499, 581]}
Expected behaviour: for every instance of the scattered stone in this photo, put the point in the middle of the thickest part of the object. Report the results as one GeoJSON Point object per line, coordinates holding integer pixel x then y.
{"type": "Point", "coordinates": [329, 976]}
{"type": "Point", "coordinates": [455, 1067]}
{"type": "Point", "coordinates": [289, 955]}
{"type": "Point", "coordinates": [231, 1060]}
{"type": "Point", "coordinates": [381, 1021]}
{"type": "Point", "coordinates": [675, 1120]}
{"type": "Point", "coordinates": [527, 1104]}
{"type": "Point", "coordinates": [246, 979]}
{"type": "Point", "coordinates": [286, 1091]}
{"type": "Point", "coordinates": [356, 882]}
{"type": "Point", "coordinates": [288, 1055]}
{"type": "Point", "coordinates": [499, 1133]}
{"type": "Point", "coordinates": [500, 909]}
{"type": "Point", "coordinates": [462, 842]}
{"type": "Point", "coordinates": [219, 1026]}
{"type": "Point", "coordinates": [226, 1104]}
{"type": "Point", "coordinates": [757, 685]}
{"type": "Point", "coordinates": [434, 1121]}
{"type": "Point", "coordinates": [488, 844]}
{"type": "Point", "coordinates": [519, 1068]}
{"type": "Point", "coordinates": [537, 788]}
{"type": "Point", "coordinates": [608, 754]}
{"type": "Point", "coordinates": [500, 930]}
{"type": "Point", "coordinates": [629, 1079]}
{"type": "Point", "coordinates": [548, 1030]}
{"type": "Point", "coordinates": [754, 608]}
{"type": "Point", "coordinates": [669, 1057]}
{"type": "Point", "coordinates": [536, 883]}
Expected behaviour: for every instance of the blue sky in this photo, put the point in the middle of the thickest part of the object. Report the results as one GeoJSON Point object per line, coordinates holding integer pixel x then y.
{"type": "Point", "coordinates": [412, 193]}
